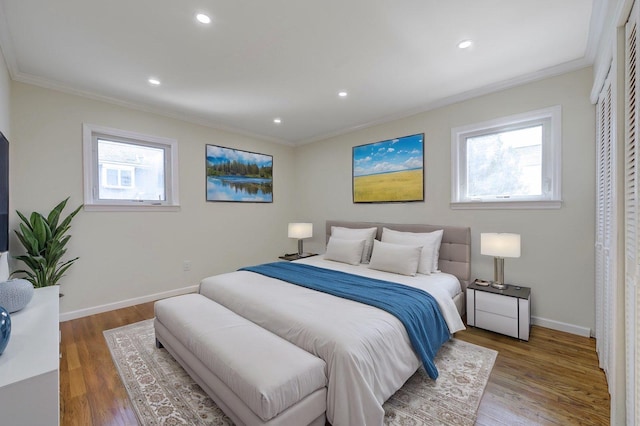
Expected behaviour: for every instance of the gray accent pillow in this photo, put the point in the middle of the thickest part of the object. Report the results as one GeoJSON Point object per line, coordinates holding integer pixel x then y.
{"type": "Point", "coordinates": [15, 294]}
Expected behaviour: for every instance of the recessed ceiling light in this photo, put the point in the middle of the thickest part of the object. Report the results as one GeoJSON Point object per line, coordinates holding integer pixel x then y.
{"type": "Point", "coordinates": [154, 81]}
{"type": "Point", "coordinates": [464, 44]}
{"type": "Point", "coordinates": [203, 19]}
{"type": "Point", "coordinates": [277, 120]}
{"type": "Point", "coordinates": [342, 94]}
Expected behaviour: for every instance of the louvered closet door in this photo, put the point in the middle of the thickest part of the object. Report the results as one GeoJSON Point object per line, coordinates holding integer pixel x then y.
{"type": "Point", "coordinates": [605, 231]}
{"type": "Point", "coordinates": [632, 311]}
{"type": "Point", "coordinates": [600, 185]}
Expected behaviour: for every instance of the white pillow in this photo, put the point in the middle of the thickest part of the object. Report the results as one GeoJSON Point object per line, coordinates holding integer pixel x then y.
{"type": "Point", "coordinates": [396, 258]}
{"type": "Point", "coordinates": [430, 242]}
{"type": "Point", "coordinates": [345, 251]}
{"type": "Point", "coordinates": [366, 234]}
{"type": "Point", "coordinates": [4, 267]}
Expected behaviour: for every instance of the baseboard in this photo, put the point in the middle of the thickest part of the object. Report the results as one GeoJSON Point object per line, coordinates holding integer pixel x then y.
{"type": "Point", "coordinates": [561, 326]}
{"type": "Point", "coordinates": [66, 316]}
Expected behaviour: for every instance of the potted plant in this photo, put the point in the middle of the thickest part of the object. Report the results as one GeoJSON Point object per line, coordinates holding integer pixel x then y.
{"type": "Point", "coordinates": [44, 239]}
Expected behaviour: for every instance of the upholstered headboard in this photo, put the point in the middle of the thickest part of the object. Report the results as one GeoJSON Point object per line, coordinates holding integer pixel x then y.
{"type": "Point", "coordinates": [455, 250]}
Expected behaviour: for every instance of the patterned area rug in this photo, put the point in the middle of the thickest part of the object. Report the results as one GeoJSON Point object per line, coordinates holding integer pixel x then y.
{"type": "Point", "coordinates": [162, 393]}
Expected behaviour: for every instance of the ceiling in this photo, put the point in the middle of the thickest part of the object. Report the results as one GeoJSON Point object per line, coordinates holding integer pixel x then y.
{"type": "Point", "coordinates": [258, 60]}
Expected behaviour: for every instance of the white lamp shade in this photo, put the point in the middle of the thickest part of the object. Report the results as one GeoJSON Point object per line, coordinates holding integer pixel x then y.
{"type": "Point", "coordinates": [300, 230]}
{"type": "Point", "coordinates": [500, 245]}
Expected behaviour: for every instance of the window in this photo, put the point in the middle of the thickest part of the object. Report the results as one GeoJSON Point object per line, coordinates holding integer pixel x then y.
{"type": "Point", "coordinates": [129, 171]}
{"type": "Point", "coordinates": [511, 162]}
{"type": "Point", "coordinates": [115, 176]}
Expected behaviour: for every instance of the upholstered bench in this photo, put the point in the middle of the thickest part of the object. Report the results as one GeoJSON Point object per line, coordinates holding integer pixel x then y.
{"type": "Point", "coordinates": [254, 376]}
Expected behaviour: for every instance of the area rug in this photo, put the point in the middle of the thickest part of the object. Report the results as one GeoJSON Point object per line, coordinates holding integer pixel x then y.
{"type": "Point", "coordinates": [162, 393]}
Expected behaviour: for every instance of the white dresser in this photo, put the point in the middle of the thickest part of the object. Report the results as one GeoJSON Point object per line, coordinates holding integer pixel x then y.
{"type": "Point", "coordinates": [29, 366]}
{"type": "Point", "coordinates": [505, 311]}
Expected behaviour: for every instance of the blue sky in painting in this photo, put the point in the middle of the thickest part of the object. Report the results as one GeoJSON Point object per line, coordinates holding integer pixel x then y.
{"type": "Point", "coordinates": [219, 154]}
{"type": "Point", "coordinates": [394, 155]}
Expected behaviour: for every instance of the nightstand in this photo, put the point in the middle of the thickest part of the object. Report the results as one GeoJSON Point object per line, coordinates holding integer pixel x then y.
{"type": "Point", "coordinates": [505, 311]}
{"type": "Point", "coordinates": [296, 256]}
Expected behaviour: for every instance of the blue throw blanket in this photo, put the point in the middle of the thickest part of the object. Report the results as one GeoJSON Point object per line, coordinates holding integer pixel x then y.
{"type": "Point", "coordinates": [415, 308]}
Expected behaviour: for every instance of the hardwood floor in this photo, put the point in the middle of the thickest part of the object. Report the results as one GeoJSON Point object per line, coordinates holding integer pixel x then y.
{"type": "Point", "coordinates": [91, 392]}
{"type": "Point", "coordinates": [553, 379]}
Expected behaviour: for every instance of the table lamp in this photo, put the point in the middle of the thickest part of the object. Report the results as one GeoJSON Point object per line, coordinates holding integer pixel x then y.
{"type": "Point", "coordinates": [300, 231]}
{"type": "Point", "coordinates": [499, 245]}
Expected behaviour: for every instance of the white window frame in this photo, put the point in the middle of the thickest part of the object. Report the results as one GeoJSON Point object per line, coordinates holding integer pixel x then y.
{"type": "Point", "coordinates": [551, 198]}
{"type": "Point", "coordinates": [90, 135]}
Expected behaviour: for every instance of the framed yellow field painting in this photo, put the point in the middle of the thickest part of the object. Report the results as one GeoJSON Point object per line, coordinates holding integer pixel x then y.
{"type": "Point", "coordinates": [389, 171]}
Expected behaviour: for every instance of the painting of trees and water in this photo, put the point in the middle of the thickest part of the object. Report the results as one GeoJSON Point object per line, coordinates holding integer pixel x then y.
{"type": "Point", "coordinates": [238, 176]}
{"type": "Point", "coordinates": [389, 171]}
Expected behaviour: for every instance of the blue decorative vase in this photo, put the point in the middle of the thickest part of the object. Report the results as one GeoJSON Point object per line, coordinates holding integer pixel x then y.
{"type": "Point", "coordinates": [5, 328]}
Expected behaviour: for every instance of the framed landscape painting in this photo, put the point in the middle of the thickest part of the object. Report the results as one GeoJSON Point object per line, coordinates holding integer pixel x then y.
{"type": "Point", "coordinates": [389, 171]}
{"type": "Point", "coordinates": [234, 175]}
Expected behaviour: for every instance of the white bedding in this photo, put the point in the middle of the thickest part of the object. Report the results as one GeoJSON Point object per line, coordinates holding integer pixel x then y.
{"type": "Point", "coordinates": [367, 350]}
{"type": "Point", "coordinates": [442, 286]}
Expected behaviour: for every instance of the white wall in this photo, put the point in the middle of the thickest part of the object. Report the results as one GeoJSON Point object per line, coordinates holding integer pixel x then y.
{"type": "Point", "coordinates": [557, 245]}
{"type": "Point", "coordinates": [5, 86]}
{"type": "Point", "coordinates": [127, 255]}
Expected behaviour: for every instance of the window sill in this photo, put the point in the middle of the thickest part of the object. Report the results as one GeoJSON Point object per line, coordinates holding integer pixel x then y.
{"type": "Point", "coordinates": [129, 208]}
{"type": "Point", "coordinates": [506, 205]}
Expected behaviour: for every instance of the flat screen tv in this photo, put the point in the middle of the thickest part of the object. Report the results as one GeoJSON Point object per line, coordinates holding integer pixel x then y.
{"type": "Point", "coordinates": [4, 193]}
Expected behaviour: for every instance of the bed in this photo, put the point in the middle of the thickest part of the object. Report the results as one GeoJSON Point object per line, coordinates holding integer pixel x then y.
{"type": "Point", "coordinates": [367, 350]}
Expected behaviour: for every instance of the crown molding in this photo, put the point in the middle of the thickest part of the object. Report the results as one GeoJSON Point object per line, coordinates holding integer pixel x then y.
{"type": "Point", "coordinates": [492, 88]}
{"type": "Point", "coordinates": [470, 94]}
{"type": "Point", "coordinates": [165, 112]}
{"type": "Point", "coordinates": [595, 33]}
{"type": "Point", "coordinates": [597, 26]}
{"type": "Point", "coordinates": [6, 49]}
{"type": "Point", "coordinates": [602, 38]}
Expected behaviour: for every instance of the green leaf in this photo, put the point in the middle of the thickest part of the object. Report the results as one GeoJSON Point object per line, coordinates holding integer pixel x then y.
{"type": "Point", "coordinates": [55, 213]}
{"type": "Point", "coordinates": [40, 229]}
{"type": "Point", "coordinates": [67, 221]}
{"type": "Point", "coordinates": [29, 241]}
{"type": "Point", "coordinates": [24, 219]}
{"type": "Point", "coordinates": [44, 239]}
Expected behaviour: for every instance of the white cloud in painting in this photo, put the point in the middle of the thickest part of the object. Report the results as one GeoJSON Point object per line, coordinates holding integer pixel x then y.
{"type": "Point", "coordinates": [413, 163]}
{"type": "Point", "coordinates": [388, 156]}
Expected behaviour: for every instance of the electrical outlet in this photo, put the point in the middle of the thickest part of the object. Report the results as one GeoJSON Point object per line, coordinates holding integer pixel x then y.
{"type": "Point", "coordinates": [186, 265]}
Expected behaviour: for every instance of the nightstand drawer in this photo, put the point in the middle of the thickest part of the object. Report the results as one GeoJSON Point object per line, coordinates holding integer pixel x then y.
{"type": "Point", "coordinates": [497, 323]}
{"type": "Point", "coordinates": [506, 311]}
{"type": "Point", "coordinates": [497, 304]}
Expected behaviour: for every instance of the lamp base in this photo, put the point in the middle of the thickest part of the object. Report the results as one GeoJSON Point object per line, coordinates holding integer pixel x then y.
{"type": "Point", "coordinates": [498, 273]}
